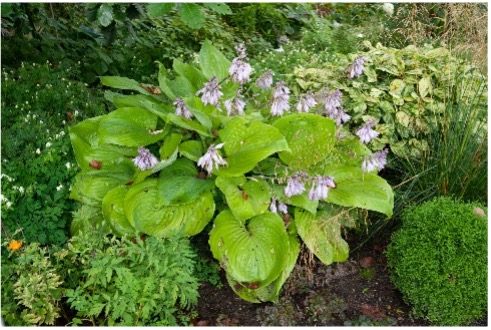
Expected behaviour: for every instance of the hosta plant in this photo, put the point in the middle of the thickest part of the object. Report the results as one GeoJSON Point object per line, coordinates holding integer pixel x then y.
{"type": "Point", "coordinates": [209, 143]}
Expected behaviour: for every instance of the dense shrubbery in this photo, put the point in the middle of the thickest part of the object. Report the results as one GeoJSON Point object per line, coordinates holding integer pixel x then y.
{"type": "Point", "coordinates": [438, 260]}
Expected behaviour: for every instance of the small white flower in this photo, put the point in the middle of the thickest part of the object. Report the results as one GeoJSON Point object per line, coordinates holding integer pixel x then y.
{"type": "Point", "coordinates": [336, 24]}
{"type": "Point", "coordinates": [8, 204]}
{"type": "Point", "coordinates": [59, 187]}
{"type": "Point", "coordinates": [48, 144]}
{"type": "Point", "coordinates": [75, 113]}
{"type": "Point", "coordinates": [212, 158]}
{"type": "Point", "coordinates": [38, 151]}
{"type": "Point", "coordinates": [145, 160]}
{"type": "Point", "coordinates": [388, 8]}
{"type": "Point", "coordinates": [21, 190]}
{"type": "Point", "coordinates": [68, 165]}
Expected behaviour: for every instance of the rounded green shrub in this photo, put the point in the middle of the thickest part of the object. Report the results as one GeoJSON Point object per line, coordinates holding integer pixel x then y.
{"type": "Point", "coordinates": [438, 260]}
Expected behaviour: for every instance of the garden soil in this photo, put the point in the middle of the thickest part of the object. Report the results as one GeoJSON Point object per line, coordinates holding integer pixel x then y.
{"type": "Point", "coordinates": [355, 292]}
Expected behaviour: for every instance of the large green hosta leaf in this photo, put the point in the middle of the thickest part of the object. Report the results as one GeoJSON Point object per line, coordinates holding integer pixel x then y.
{"type": "Point", "coordinates": [246, 198]}
{"type": "Point", "coordinates": [179, 183]}
{"type": "Point", "coordinates": [322, 232]}
{"type": "Point", "coordinates": [272, 291]}
{"type": "Point", "coordinates": [213, 62]}
{"type": "Point", "coordinates": [113, 211]}
{"type": "Point", "coordinates": [129, 127]}
{"type": "Point", "coordinates": [363, 190]}
{"type": "Point", "coordinates": [90, 187]}
{"type": "Point", "coordinates": [246, 144]}
{"type": "Point", "coordinates": [146, 211]}
{"type": "Point", "coordinates": [311, 138]}
{"type": "Point", "coordinates": [123, 83]}
{"type": "Point", "coordinates": [255, 253]}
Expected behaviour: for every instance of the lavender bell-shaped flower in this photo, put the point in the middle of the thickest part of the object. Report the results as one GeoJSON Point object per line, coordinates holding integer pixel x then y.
{"type": "Point", "coordinates": [280, 99]}
{"type": "Point", "coordinates": [306, 102]}
{"type": "Point", "coordinates": [366, 133]}
{"type": "Point", "coordinates": [276, 206]}
{"type": "Point", "coordinates": [320, 187]}
{"type": "Point", "coordinates": [212, 158]}
{"type": "Point", "coordinates": [294, 186]}
{"type": "Point", "coordinates": [145, 160]}
{"type": "Point", "coordinates": [211, 92]}
{"type": "Point", "coordinates": [265, 80]}
{"type": "Point", "coordinates": [240, 71]}
{"type": "Point", "coordinates": [375, 161]}
{"type": "Point", "coordinates": [235, 105]}
{"type": "Point", "coordinates": [356, 68]}
{"type": "Point", "coordinates": [181, 109]}
{"type": "Point", "coordinates": [333, 108]}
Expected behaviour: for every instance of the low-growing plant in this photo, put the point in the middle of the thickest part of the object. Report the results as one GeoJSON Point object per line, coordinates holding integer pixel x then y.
{"type": "Point", "coordinates": [365, 321]}
{"type": "Point", "coordinates": [438, 260]}
{"type": "Point", "coordinates": [271, 178]}
{"type": "Point", "coordinates": [39, 103]}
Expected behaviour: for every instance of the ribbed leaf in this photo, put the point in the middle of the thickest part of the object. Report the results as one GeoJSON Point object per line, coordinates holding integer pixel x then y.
{"type": "Point", "coordinates": [191, 149]}
{"type": "Point", "coordinates": [189, 72]}
{"type": "Point", "coordinates": [213, 62]}
{"type": "Point", "coordinates": [188, 124]}
{"type": "Point", "coordinates": [192, 15]}
{"type": "Point", "coordinates": [179, 183]}
{"type": "Point", "coordinates": [159, 9]}
{"type": "Point", "coordinates": [322, 233]}
{"type": "Point", "coordinates": [246, 144]}
{"type": "Point", "coordinates": [311, 138]}
{"type": "Point", "coordinates": [245, 198]}
{"type": "Point", "coordinates": [113, 211]}
{"type": "Point", "coordinates": [146, 212]}
{"type": "Point", "coordinates": [170, 145]}
{"type": "Point", "coordinates": [362, 190]}
{"type": "Point", "coordinates": [220, 8]}
{"type": "Point", "coordinates": [129, 127]}
{"type": "Point", "coordinates": [255, 253]}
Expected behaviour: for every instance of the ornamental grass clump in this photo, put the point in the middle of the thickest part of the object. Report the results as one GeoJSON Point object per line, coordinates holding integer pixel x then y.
{"type": "Point", "coordinates": [267, 173]}
{"type": "Point", "coordinates": [438, 260]}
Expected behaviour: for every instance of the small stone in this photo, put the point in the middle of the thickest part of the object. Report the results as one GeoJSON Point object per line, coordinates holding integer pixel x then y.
{"type": "Point", "coordinates": [202, 323]}
{"type": "Point", "coordinates": [479, 212]}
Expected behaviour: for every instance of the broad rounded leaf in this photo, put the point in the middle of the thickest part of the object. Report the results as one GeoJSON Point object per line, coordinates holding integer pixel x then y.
{"type": "Point", "coordinates": [424, 86]}
{"type": "Point", "coordinates": [123, 83]}
{"type": "Point", "coordinates": [246, 198]}
{"type": "Point", "coordinates": [191, 149]}
{"type": "Point", "coordinates": [246, 144]}
{"type": "Point", "coordinates": [362, 190]}
{"type": "Point", "coordinates": [192, 15]}
{"type": "Point", "coordinates": [113, 211]}
{"type": "Point", "coordinates": [255, 253]}
{"type": "Point", "coordinates": [146, 212]}
{"type": "Point", "coordinates": [310, 137]}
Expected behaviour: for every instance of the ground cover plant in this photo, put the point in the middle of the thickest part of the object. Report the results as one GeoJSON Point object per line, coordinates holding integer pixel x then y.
{"type": "Point", "coordinates": [438, 260]}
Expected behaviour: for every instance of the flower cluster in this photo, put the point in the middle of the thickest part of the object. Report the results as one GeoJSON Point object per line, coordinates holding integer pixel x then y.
{"type": "Point", "coordinates": [181, 109]}
{"type": "Point", "coordinates": [265, 80]}
{"type": "Point", "coordinates": [333, 108]}
{"type": "Point", "coordinates": [366, 133]}
{"type": "Point", "coordinates": [306, 102]}
{"type": "Point", "coordinates": [145, 160]}
{"type": "Point", "coordinates": [280, 99]}
{"type": "Point", "coordinates": [356, 68]}
{"type": "Point", "coordinates": [235, 105]}
{"type": "Point", "coordinates": [211, 92]}
{"type": "Point", "coordinates": [320, 187]}
{"type": "Point", "coordinates": [277, 205]}
{"type": "Point", "coordinates": [294, 185]}
{"type": "Point", "coordinates": [212, 158]}
{"type": "Point", "coordinates": [375, 161]}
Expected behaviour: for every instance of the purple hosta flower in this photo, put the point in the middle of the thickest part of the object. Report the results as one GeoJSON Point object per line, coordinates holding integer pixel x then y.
{"type": "Point", "coordinates": [320, 187]}
{"type": "Point", "coordinates": [356, 68]}
{"type": "Point", "coordinates": [333, 101]}
{"type": "Point", "coordinates": [212, 157]}
{"type": "Point", "coordinates": [240, 71]}
{"type": "Point", "coordinates": [265, 80]}
{"type": "Point", "coordinates": [274, 207]}
{"type": "Point", "coordinates": [339, 115]}
{"type": "Point", "coordinates": [181, 109]}
{"type": "Point", "coordinates": [145, 160]}
{"type": "Point", "coordinates": [211, 92]}
{"type": "Point", "coordinates": [294, 186]}
{"type": "Point", "coordinates": [280, 99]}
{"type": "Point", "coordinates": [235, 106]}
{"type": "Point", "coordinates": [366, 133]}
{"type": "Point", "coordinates": [375, 161]}
{"type": "Point", "coordinates": [306, 102]}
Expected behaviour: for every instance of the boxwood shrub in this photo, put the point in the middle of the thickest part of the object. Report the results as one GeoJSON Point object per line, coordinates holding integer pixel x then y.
{"type": "Point", "coordinates": [438, 260]}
